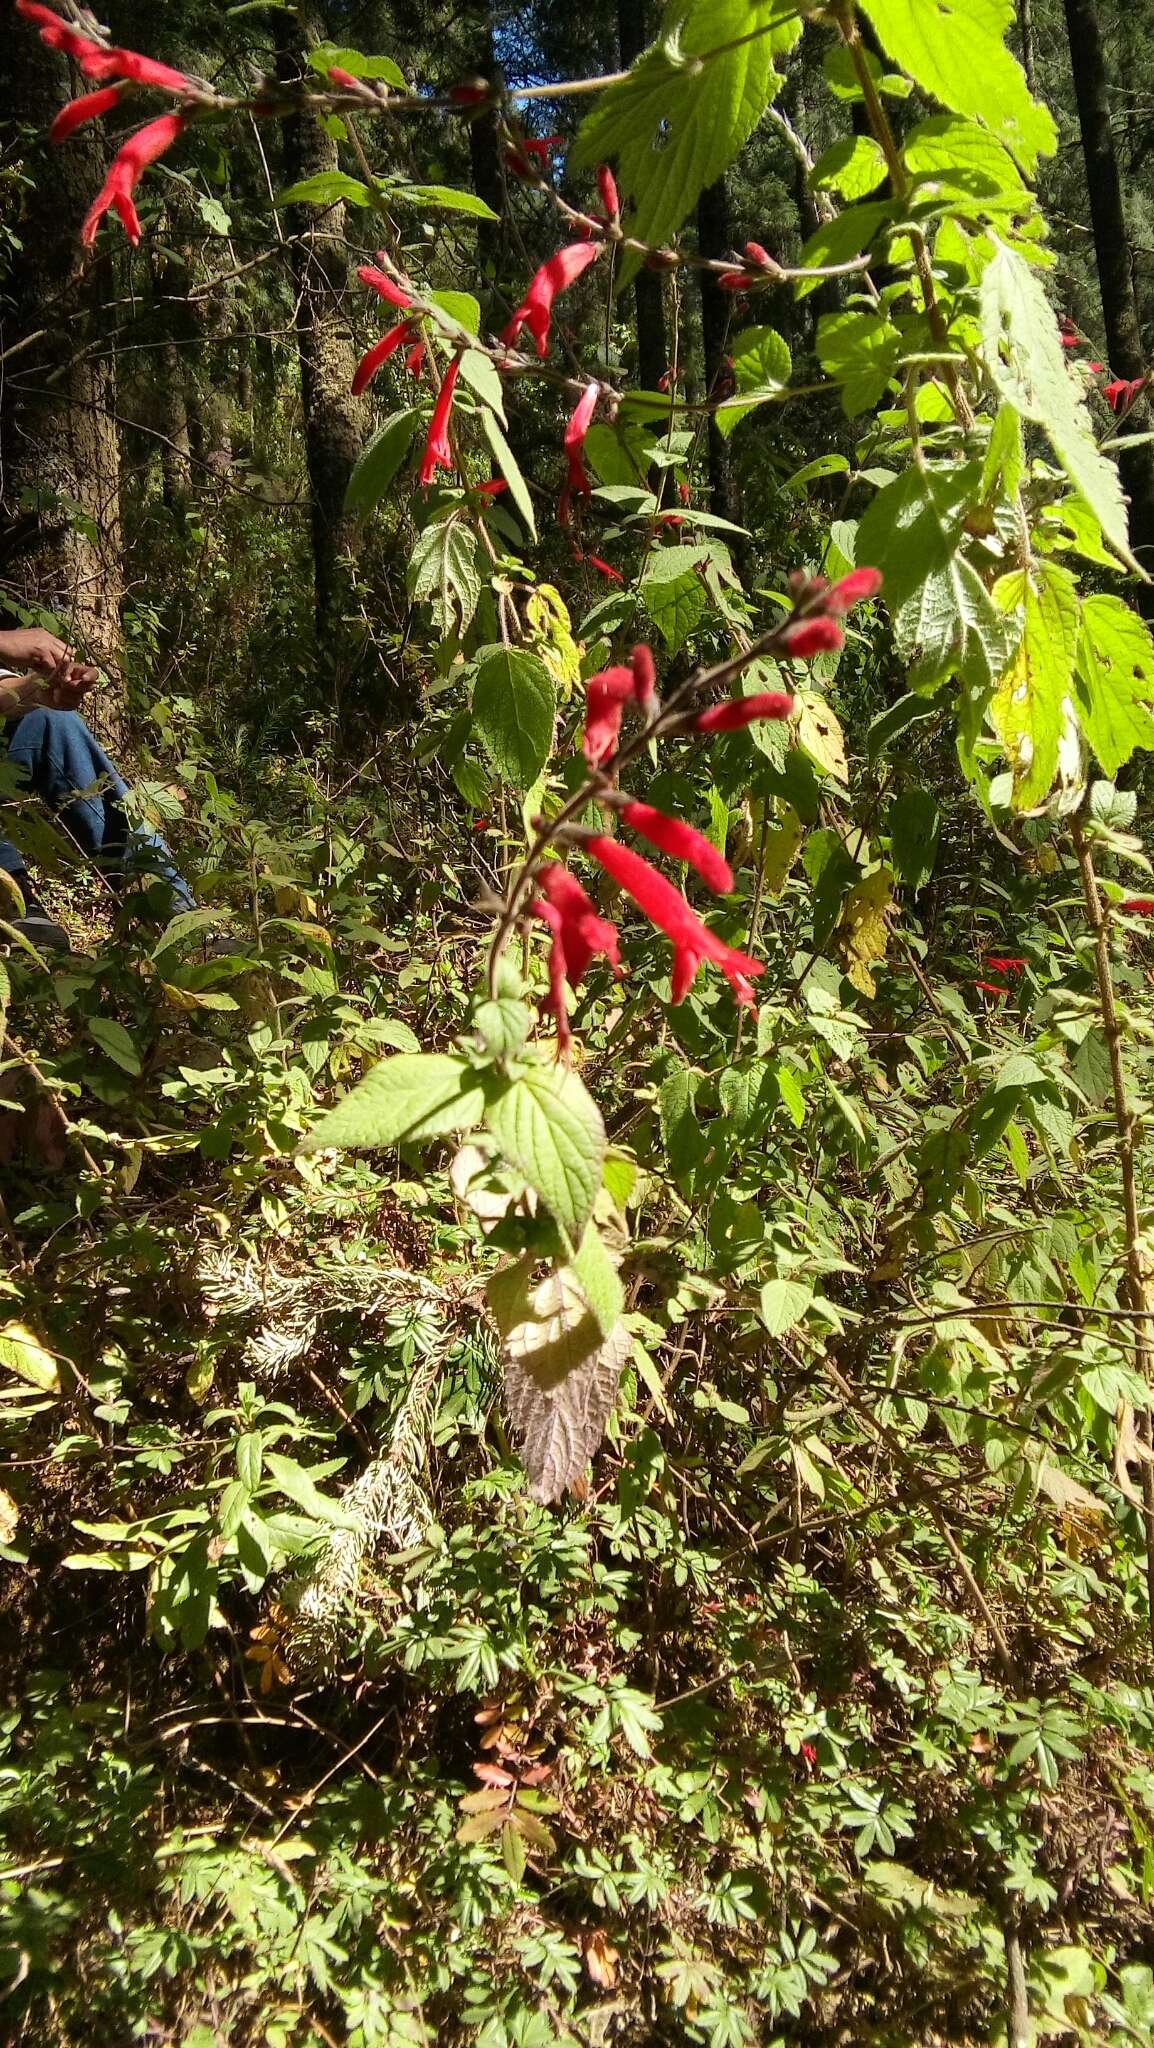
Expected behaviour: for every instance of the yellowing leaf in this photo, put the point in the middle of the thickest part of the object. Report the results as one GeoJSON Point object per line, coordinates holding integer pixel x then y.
{"type": "Point", "coordinates": [24, 1354]}
{"type": "Point", "coordinates": [863, 930]}
{"type": "Point", "coordinates": [1030, 704]}
{"type": "Point", "coordinates": [820, 735]}
{"type": "Point", "coordinates": [9, 1517]}
{"type": "Point", "coordinates": [551, 636]}
{"type": "Point", "coordinates": [782, 843]}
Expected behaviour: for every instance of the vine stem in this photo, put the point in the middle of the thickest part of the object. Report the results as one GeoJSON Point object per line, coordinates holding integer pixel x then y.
{"type": "Point", "coordinates": [1138, 1297]}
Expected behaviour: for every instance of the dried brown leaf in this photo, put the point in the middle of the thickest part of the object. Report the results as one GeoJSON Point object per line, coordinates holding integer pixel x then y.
{"type": "Point", "coordinates": [601, 1960]}
{"type": "Point", "coordinates": [560, 1420]}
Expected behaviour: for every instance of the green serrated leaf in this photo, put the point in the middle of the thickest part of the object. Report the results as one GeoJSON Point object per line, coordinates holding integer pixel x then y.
{"type": "Point", "coordinates": [444, 572]}
{"type": "Point", "coordinates": [548, 1126]}
{"type": "Point", "coordinates": [861, 351]}
{"type": "Point", "coordinates": [1026, 363]}
{"type": "Point", "coordinates": [325, 55]}
{"type": "Point", "coordinates": [1115, 681]}
{"type": "Point", "coordinates": [783, 1305]}
{"type": "Point", "coordinates": [1028, 708]}
{"type": "Point", "coordinates": [853, 167]}
{"type": "Point", "coordinates": [514, 707]}
{"type": "Point", "coordinates": [685, 108]}
{"type": "Point", "coordinates": [326, 188]}
{"type": "Point", "coordinates": [408, 1097]}
{"type": "Point", "coordinates": [599, 1280]}
{"type": "Point", "coordinates": [955, 50]}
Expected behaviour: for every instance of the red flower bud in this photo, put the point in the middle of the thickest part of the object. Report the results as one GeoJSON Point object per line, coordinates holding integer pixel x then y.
{"type": "Point", "coordinates": [811, 636]}
{"type": "Point", "coordinates": [853, 589]}
{"type": "Point", "coordinates": [760, 256]}
{"type": "Point", "coordinates": [732, 281]}
{"type": "Point", "coordinates": [644, 677]}
{"type": "Point", "coordinates": [474, 94]}
{"type": "Point", "coordinates": [438, 450]}
{"type": "Point", "coordinates": [1139, 906]}
{"type": "Point", "coordinates": [344, 78]}
{"type": "Point", "coordinates": [605, 569]}
{"type": "Point", "coordinates": [383, 285]}
{"type": "Point", "coordinates": [605, 697]}
{"type": "Point", "coordinates": [607, 186]}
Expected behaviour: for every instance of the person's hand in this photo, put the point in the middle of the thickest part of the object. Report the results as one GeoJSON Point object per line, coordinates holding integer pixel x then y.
{"type": "Point", "coordinates": [31, 648]}
{"type": "Point", "coordinates": [67, 685]}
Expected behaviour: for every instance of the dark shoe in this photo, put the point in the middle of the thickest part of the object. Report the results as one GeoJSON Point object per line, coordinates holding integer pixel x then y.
{"type": "Point", "coordinates": [43, 932]}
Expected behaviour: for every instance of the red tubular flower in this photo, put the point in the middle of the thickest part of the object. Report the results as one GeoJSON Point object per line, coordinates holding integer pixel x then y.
{"type": "Point", "coordinates": [578, 933]}
{"type": "Point", "coordinates": [605, 697]}
{"type": "Point", "coordinates": [492, 489]}
{"type": "Point", "coordinates": [1139, 906]}
{"type": "Point", "coordinates": [472, 95]}
{"type": "Point", "coordinates": [1121, 392]}
{"type": "Point", "coordinates": [1070, 340]}
{"type": "Point", "coordinates": [683, 493]}
{"type": "Point", "coordinates": [535, 309]}
{"type": "Point", "coordinates": [741, 711]}
{"type": "Point", "coordinates": [758, 255]}
{"type": "Point", "coordinates": [605, 569]}
{"type": "Point", "coordinates": [1004, 963]}
{"type": "Point", "coordinates": [680, 842]}
{"type": "Point", "coordinates": [141, 70]}
{"type": "Point", "coordinates": [991, 988]}
{"type": "Point", "coordinates": [124, 175]}
{"type": "Point", "coordinates": [438, 453]}
{"type": "Point", "coordinates": [415, 358]}
{"type": "Point", "coordinates": [812, 636]}
{"type": "Point", "coordinates": [383, 285]}
{"type": "Point", "coordinates": [88, 108]}
{"type": "Point", "coordinates": [586, 933]}
{"type": "Point", "coordinates": [58, 35]}
{"type": "Point", "coordinates": [666, 907]}
{"type": "Point", "coordinates": [607, 186]}
{"type": "Point", "coordinates": [853, 589]}
{"type": "Point", "coordinates": [574, 444]}
{"type": "Point", "coordinates": [380, 352]}
{"type": "Point", "coordinates": [644, 678]}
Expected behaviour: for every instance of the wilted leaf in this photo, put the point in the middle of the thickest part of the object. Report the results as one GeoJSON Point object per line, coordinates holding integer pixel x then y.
{"type": "Point", "coordinates": [601, 1960]}
{"type": "Point", "coordinates": [560, 1424]}
{"type": "Point", "coordinates": [820, 735]}
{"type": "Point", "coordinates": [863, 931]}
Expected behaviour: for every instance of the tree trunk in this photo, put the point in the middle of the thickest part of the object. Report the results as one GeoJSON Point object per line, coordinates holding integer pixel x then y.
{"type": "Point", "coordinates": [1026, 40]}
{"type": "Point", "coordinates": [714, 239]}
{"type": "Point", "coordinates": [334, 422]}
{"type": "Point", "coordinates": [1114, 259]}
{"type": "Point", "coordinates": [633, 33]}
{"type": "Point", "coordinates": [60, 542]}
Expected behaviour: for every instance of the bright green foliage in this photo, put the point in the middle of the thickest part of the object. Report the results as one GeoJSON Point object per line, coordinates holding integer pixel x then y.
{"type": "Point", "coordinates": [407, 1097]}
{"type": "Point", "coordinates": [686, 107]}
{"type": "Point", "coordinates": [549, 1127]}
{"type": "Point", "coordinates": [514, 705]}
{"type": "Point", "coordinates": [954, 50]}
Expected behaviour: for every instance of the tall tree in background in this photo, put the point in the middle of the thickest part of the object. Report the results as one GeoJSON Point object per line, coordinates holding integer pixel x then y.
{"type": "Point", "coordinates": [715, 238]}
{"type": "Point", "coordinates": [1113, 257]}
{"type": "Point", "coordinates": [60, 543]}
{"type": "Point", "coordinates": [633, 33]}
{"type": "Point", "coordinates": [334, 421]}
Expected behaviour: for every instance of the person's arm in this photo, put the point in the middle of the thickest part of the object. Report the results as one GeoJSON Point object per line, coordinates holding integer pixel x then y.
{"type": "Point", "coordinates": [29, 649]}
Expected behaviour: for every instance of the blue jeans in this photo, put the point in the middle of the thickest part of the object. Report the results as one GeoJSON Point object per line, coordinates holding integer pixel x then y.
{"type": "Point", "coordinates": [60, 757]}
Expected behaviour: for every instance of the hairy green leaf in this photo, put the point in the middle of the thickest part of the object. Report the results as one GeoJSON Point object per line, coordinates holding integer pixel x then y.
{"type": "Point", "coordinates": [514, 706]}
{"type": "Point", "coordinates": [549, 1127]}
{"type": "Point", "coordinates": [408, 1097]}
{"type": "Point", "coordinates": [956, 51]}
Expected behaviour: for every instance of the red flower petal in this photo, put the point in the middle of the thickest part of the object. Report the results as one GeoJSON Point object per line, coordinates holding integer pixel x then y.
{"type": "Point", "coordinates": [644, 677]}
{"type": "Point", "coordinates": [681, 842]}
{"type": "Point", "coordinates": [124, 174]}
{"type": "Point", "coordinates": [438, 453]}
{"type": "Point", "coordinates": [666, 907]}
{"type": "Point", "coordinates": [741, 711]}
{"type": "Point", "coordinates": [89, 107]}
{"type": "Point", "coordinates": [853, 589]}
{"type": "Point", "coordinates": [1139, 906]}
{"type": "Point", "coordinates": [607, 186]}
{"type": "Point", "coordinates": [586, 932]}
{"type": "Point", "coordinates": [380, 352]}
{"type": "Point", "coordinates": [535, 309]}
{"type": "Point", "coordinates": [605, 697]}
{"type": "Point", "coordinates": [812, 636]}
{"type": "Point", "coordinates": [605, 569]}
{"type": "Point", "coordinates": [378, 281]}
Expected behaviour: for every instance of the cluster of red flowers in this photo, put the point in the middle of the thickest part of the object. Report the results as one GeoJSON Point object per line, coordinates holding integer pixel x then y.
{"type": "Point", "coordinates": [129, 68]}
{"type": "Point", "coordinates": [1009, 964]}
{"type": "Point", "coordinates": [1120, 392]}
{"type": "Point", "coordinates": [578, 932]}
